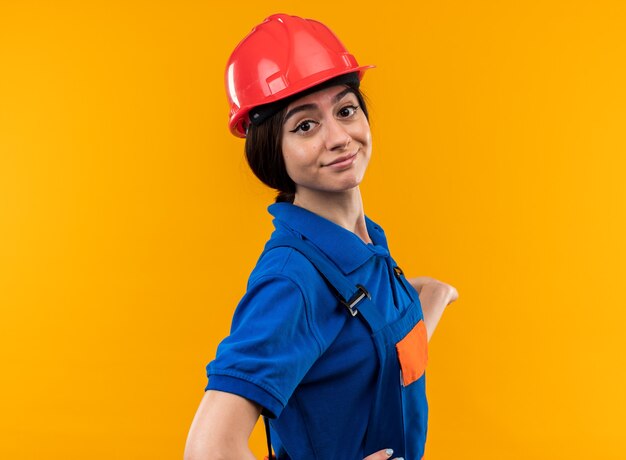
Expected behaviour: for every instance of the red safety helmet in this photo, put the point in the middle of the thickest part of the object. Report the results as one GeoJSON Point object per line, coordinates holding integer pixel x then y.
{"type": "Point", "coordinates": [279, 58]}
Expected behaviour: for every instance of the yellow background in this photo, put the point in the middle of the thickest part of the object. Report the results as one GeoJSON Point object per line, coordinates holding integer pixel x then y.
{"type": "Point", "coordinates": [129, 221]}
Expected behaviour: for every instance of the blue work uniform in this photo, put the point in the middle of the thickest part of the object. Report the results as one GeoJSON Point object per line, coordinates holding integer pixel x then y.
{"type": "Point", "coordinates": [335, 385]}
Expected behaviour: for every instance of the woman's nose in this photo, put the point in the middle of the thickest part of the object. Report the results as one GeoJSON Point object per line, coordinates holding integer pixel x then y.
{"type": "Point", "coordinates": [337, 138]}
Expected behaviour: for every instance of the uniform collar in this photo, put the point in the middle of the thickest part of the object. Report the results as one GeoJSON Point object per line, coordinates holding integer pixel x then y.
{"type": "Point", "coordinates": [342, 246]}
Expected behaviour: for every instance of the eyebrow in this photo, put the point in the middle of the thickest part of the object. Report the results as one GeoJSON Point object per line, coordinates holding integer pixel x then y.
{"type": "Point", "coordinates": [336, 98]}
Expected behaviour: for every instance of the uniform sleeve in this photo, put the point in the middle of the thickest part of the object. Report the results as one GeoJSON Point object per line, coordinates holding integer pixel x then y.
{"type": "Point", "coordinates": [270, 348]}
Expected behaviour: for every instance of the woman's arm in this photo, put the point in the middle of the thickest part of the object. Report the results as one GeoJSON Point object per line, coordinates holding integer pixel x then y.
{"type": "Point", "coordinates": [221, 428]}
{"type": "Point", "coordinates": [435, 296]}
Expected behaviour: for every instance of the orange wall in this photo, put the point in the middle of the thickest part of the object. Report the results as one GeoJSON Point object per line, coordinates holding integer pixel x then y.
{"type": "Point", "coordinates": [129, 220]}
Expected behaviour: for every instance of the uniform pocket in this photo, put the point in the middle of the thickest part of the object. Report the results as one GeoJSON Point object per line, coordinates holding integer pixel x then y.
{"type": "Point", "coordinates": [413, 353]}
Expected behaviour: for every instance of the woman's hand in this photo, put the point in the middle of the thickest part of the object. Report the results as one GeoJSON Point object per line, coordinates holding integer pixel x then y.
{"type": "Point", "coordinates": [421, 281]}
{"type": "Point", "coordinates": [384, 454]}
{"type": "Point", "coordinates": [434, 296]}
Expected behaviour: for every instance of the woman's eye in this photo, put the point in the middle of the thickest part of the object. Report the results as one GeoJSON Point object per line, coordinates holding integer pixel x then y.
{"type": "Point", "coordinates": [348, 111]}
{"type": "Point", "coordinates": [304, 127]}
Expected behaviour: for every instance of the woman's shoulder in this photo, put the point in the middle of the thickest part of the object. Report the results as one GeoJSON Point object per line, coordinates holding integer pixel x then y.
{"type": "Point", "coordinates": [285, 276]}
{"type": "Point", "coordinates": [286, 262]}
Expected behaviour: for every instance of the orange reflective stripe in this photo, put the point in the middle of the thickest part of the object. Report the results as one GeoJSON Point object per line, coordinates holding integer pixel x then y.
{"type": "Point", "coordinates": [413, 353]}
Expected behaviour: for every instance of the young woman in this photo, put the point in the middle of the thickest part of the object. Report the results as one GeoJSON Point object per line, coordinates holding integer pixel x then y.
{"type": "Point", "coordinates": [330, 339]}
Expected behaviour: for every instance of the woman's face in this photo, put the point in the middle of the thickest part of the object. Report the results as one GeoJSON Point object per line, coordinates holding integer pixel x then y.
{"type": "Point", "coordinates": [326, 141]}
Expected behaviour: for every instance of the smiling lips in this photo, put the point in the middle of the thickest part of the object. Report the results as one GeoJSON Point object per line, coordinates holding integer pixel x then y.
{"type": "Point", "coordinates": [344, 160]}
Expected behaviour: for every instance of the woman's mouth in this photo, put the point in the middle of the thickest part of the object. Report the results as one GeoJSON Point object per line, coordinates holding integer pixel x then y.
{"type": "Point", "coordinates": [343, 161]}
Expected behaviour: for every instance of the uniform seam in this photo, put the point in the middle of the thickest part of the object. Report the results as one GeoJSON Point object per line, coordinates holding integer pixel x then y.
{"type": "Point", "coordinates": [241, 376]}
